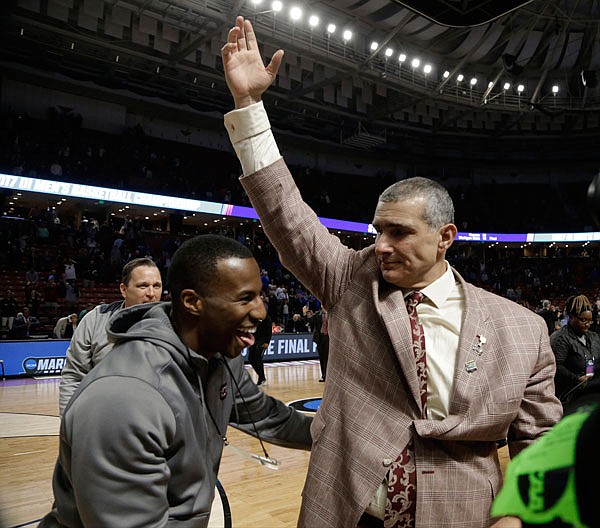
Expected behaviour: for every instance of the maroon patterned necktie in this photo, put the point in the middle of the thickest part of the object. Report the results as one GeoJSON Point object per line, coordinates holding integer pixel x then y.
{"type": "Point", "coordinates": [401, 501]}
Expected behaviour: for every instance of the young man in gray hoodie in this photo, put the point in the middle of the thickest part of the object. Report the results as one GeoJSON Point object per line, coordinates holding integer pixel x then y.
{"type": "Point", "coordinates": [142, 437]}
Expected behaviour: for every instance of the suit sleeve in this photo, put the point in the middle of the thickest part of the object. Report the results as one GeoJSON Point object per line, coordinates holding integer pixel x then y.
{"type": "Point", "coordinates": [124, 430]}
{"type": "Point", "coordinates": [540, 409]}
{"type": "Point", "coordinates": [317, 258]}
{"type": "Point", "coordinates": [78, 361]}
{"type": "Point", "coordinates": [275, 422]}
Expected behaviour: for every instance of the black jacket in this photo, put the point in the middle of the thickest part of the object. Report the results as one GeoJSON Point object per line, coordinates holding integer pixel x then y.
{"type": "Point", "coordinates": [571, 355]}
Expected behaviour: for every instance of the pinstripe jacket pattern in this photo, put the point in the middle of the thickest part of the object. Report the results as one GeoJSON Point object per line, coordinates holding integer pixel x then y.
{"type": "Point", "coordinates": [371, 404]}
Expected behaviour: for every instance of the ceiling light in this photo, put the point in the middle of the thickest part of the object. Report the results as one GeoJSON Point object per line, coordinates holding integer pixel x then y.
{"type": "Point", "coordinates": [555, 89]}
{"type": "Point", "coordinates": [491, 84]}
{"type": "Point", "coordinates": [347, 35]}
{"type": "Point", "coordinates": [389, 52]}
{"type": "Point", "coordinates": [277, 6]}
{"type": "Point", "coordinates": [415, 63]}
{"type": "Point", "coordinates": [506, 85]}
{"type": "Point", "coordinates": [402, 57]}
{"type": "Point", "coordinates": [460, 77]}
{"type": "Point", "coordinates": [295, 13]}
{"type": "Point", "coordinates": [427, 69]}
{"type": "Point", "coordinates": [374, 45]}
{"type": "Point", "coordinates": [446, 74]}
{"type": "Point", "coordinates": [313, 21]}
{"type": "Point", "coordinates": [520, 88]}
{"type": "Point", "coordinates": [473, 81]}
{"type": "Point", "coordinates": [256, 2]}
{"type": "Point", "coordinates": [331, 28]}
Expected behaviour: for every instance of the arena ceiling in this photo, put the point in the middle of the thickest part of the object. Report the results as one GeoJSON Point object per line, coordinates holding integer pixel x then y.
{"type": "Point", "coordinates": [457, 72]}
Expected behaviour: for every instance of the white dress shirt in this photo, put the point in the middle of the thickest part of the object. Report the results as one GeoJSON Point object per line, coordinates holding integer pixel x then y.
{"type": "Point", "coordinates": [441, 317]}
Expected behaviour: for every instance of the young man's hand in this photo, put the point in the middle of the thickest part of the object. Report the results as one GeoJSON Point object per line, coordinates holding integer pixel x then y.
{"type": "Point", "coordinates": [245, 73]}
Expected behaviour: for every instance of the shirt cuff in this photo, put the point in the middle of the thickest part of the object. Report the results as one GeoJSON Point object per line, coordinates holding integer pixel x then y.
{"type": "Point", "coordinates": [250, 134]}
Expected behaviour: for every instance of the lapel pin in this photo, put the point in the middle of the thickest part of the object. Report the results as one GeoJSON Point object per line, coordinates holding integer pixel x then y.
{"type": "Point", "coordinates": [478, 348]}
{"type": "Point", "coordinates": [470, 366]}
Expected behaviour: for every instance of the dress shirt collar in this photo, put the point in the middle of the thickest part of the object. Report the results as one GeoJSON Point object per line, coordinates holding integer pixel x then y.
{"type": "Point", "coordinates": [439, 290]}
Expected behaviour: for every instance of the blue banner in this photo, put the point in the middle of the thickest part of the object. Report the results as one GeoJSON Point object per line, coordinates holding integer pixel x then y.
{"type": "Point", "coordinates": [46, 357]}
{"type": "Point", "coordinates": [285, 347]}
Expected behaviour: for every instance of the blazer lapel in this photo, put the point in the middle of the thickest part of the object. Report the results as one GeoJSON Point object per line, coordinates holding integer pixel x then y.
{"type": "Point", "coordinates": [474, 325]}
{"type": "Point", "coordinates": [389, 302]}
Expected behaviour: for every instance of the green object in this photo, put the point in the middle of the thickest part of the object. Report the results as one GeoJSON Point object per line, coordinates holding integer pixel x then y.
{"type": "Point", "coordinates": [540, 481]}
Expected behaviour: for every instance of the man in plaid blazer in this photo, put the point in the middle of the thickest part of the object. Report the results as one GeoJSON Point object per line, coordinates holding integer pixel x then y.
{"type": "Point", "coordinates": [490, 368]}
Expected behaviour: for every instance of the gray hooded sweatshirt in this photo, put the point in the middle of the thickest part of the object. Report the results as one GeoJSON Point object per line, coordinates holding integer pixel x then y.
{"type": "Point", "coordinates": [141, 439]}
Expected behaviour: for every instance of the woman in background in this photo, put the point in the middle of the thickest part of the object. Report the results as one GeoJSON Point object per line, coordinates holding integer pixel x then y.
{"type": "Point", "coordinates": [577, 350]}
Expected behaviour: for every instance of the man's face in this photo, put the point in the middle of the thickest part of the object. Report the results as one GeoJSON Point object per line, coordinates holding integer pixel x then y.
{"type": "Point", "coordinates": [232, 308]}
{"type": "Point", "coordinates": [409, 253]}
{"type": "Point", "coordinates": [144, 286]}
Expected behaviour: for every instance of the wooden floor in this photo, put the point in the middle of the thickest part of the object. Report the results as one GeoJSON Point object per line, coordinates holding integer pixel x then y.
{"type": "Point", "coordinates": [259, 497]}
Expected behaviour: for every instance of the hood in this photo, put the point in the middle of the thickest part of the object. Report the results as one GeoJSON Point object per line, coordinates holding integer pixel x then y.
{"type": "Point", "coordinates": [151, 322]}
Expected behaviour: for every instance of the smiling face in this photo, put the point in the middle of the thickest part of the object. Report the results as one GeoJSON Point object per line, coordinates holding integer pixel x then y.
{"type": "Point", "coordinates": [231, 309]}
{"type": "Point", "coordinates": [409, 252]}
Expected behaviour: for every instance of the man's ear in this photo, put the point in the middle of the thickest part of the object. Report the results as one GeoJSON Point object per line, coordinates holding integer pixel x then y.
{"type": "Point", "coordinates": [447, 236]}
{"type": "Point", "coordinates": [123, 289]}
{"type": "Point", "coordinates": [191, 302]}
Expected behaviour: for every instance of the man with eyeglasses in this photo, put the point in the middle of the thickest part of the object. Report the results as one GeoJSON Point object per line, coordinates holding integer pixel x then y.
{"type": "Point", "coordinates": [577, 350]}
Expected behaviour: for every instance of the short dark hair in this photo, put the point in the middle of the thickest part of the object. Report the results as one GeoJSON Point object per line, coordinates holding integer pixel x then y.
{"type": "Point", "coordinates": [439, 209]}
{"type": "Point", "coordinates": [135, 263]}
{"type": "Point", "coordinates": [194, 264]}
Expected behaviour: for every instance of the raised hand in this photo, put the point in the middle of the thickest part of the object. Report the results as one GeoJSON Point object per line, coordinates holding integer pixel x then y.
{"type": "Point", "coordinates": [245, 73]}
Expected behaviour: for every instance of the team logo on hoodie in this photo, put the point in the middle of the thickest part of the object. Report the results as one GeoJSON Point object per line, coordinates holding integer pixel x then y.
{"type": "Point", "coordinates": [223, 391]}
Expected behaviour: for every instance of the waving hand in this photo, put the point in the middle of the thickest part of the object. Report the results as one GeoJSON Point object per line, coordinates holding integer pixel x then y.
{"type": "Point", "coordinates": [245, 73]}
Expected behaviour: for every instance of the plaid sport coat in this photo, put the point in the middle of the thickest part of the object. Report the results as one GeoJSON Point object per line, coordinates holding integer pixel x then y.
{"type": "Point", "coordinates": [371, 404]}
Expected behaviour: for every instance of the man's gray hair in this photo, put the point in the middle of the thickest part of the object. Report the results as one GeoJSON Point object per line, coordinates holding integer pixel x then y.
{"type": "Point", "coordinates": [545, 303]}
{"type": "Point", "coordinates": [439, 209]}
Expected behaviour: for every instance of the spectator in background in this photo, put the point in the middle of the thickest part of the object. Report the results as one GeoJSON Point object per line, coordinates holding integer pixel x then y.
{"type": "Point", "coordinates": [51, 292]}
{"type": "Point", "coordinates": [8, 309]}
{"type": "Point", "coordinates": [320, 325]}
{"type": "Point", "coordinates": [87, 309]}
{"type": "Point", "coordinates": [71, 294]}
{"type": "Point", "coordinates": [34, 301]}
{"type": "Point", "coordinates": [24, 325]}
{"type": "Point", "coordinates": [548, 314]}
{"type": "Point", "coordinates": [595, 317]}
{"type": "Point", "coordinates": [140, 283]}
{"type": "Point", "coordinates": [32, 276]}
{"type": "Point", "coordinates": [70, 270]}
{"type": "Point", "coordinates": [65, 326]}
{"type": "Point", "coordinates": [296, 325]}
{"type": "Point", "coordinates": [577, 350]}
{"type": "Point", "coordinates": [256, 352]}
